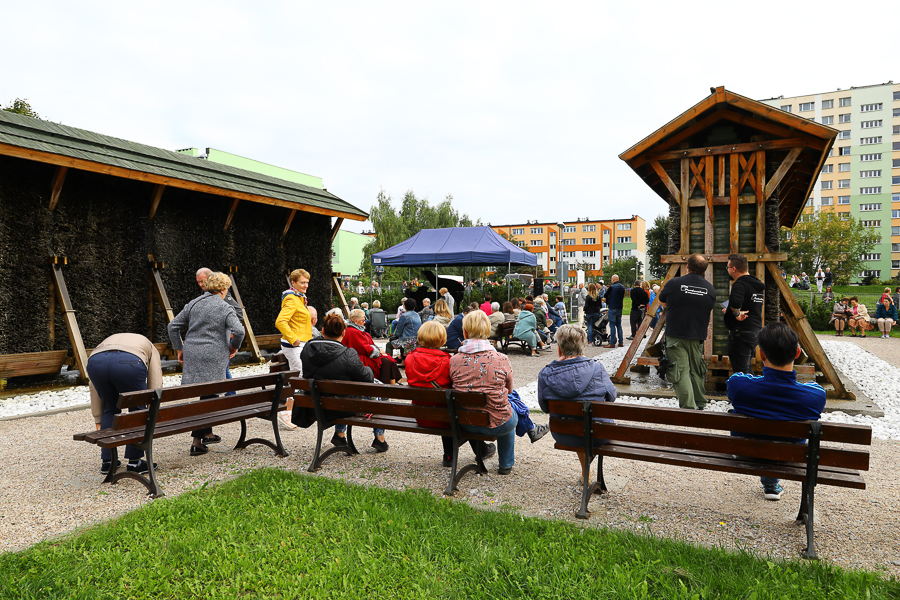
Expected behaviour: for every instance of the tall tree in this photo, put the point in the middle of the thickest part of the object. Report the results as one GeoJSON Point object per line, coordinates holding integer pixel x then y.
{"type": "Point", "coordinates": [415, 214]}
{"type": "Point", "coordinates": [21, 107]}
{"type": "Point", "coordinates": [628, 268]}
{"type": "Point", "coordinates": [657, 245]}
{"type": "Point", "coordinates": [822, 240]}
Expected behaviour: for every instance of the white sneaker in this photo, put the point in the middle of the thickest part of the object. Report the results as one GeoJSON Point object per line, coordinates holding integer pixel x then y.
{"type": "Point", "coordinates": [284, 419]}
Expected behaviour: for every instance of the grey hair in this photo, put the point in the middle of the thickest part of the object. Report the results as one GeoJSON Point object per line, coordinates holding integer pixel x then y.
{"type": "Point", "coordinates": [495, 306]}
{"type": "Point", "coordinates": [357, 313]}
{"type": "Point", "coordinates": [204, 271]}
{"type": "Point", "coordinates": [572, 340]}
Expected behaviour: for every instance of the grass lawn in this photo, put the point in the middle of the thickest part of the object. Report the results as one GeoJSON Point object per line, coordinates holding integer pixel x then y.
{"type": "Point", "coordinates": [273, 534]}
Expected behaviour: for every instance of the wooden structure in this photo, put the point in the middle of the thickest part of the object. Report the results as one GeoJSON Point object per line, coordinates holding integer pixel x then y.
{"type": "Point", "coordinates": [733, 171]}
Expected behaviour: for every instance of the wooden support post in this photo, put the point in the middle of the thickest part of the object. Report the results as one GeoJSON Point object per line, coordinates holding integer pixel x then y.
{"type": "Point", "coordinates": [234, 206]}
{"type": "Point", "coordinates": [808, 340]}
{"type": "Point", "coordinates": [337, 226]}
{"type": "Point", "coordinates": [290, 218]}
{"type": "Point", "coordinates": [685, 209]}
{"type": "Point", "coordinates": [336, 287]}
{"type": "Point", "coordinates": [160, 289]}
{"type": "Point", "coordinates": [58, 178]}
{"type": "Point", "coordinates": [62, 296]}
{"type": "Point", "coordinates": [657, 331]}
{"type": "Point", "coordinates": [708, 249]}
{"type": "Point", "coordinates": [158, 190]}
{"type": "Point", "coordinates": [734, 191]}
{"type": "Point", "coordinates": [248, 330]}
{"type": "Point", "coordinates": [782, 170]}
{"type": "Point", "coordinates": [710, 192]}
{"type": "Point", "coordinates": [721, 175]}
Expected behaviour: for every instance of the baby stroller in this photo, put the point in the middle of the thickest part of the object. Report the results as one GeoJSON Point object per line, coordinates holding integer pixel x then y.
{"type": "Point", "coordinates": [601, 335]}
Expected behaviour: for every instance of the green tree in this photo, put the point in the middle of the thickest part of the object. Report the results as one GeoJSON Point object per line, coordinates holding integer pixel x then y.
{"type": "Point", "coordinates": [657, 245]}
{"type": "Point", "coordinates": [822, 240]}
{"type": "Point", "coordinates": [628, 268]}
{"type": "Point", "coordinates": [21, 107]}
{"type": "Point", "coordinates": [393, 226]}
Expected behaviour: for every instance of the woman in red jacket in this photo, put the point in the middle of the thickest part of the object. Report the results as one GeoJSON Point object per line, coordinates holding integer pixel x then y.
{"type": "Point", "coordinates": [427, 364]}
{"type": "Point", "coordinates": [383, 366]}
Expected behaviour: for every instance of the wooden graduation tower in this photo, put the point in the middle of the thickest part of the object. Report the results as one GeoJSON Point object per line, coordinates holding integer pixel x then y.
{"type": "Point", "coordinates": [733, 171]}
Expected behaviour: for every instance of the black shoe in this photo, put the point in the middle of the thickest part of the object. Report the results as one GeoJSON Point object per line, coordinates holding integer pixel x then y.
{"type": "Point", "coordinates": [140, 467]}
{"type": "Point", "coordinates": [213, 439]}
{"type": "Point", "coordinates": [337, 440]}
{"type": "Point", "coordinates": [380, 446]}
{"type": "Point", "coordinates": [198, 450]}
{"type": "Point", "coordinates": [106, 465]}
{"type": "Point", "coordinates": [630, 337]}
{"type": "Point", "coordinates": [447, 462]}
{"type": "Point", "coordinates": [491, 450]}
{"type": "Point", "coordinates": [538, 432]}
{"type": "Point", "coordinates": [504, 470]}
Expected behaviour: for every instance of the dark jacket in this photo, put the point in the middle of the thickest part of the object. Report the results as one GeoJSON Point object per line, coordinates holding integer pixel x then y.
{"type": "Point", "coordinates": [747, 293]}
{"type": "Point", "coordinates": [592, 305]}
{"type": "Point", "coordinates": [881, 313]}
{"type": "Point", "coordinates": [329, 359]}
{"type": "Point", "coordinates": [455, 332]}
{"type": "Point", "coordinates": [615, 296]}
{"type": "Point", "coordinates": [639, 298]}
{"type": "Point", "coordinates": [574, 379]}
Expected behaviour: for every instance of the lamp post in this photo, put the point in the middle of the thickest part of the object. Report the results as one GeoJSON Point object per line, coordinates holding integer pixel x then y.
{"type": "Point", "coordinates": [559, 245]}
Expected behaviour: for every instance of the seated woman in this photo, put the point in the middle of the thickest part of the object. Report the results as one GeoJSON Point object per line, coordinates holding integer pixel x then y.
{"type": "Point", "coordinates": [526, 329]}
{"type": "Point", "coordinates": [858, 317]}
{"type": "Point", "coordinates": [508, 312]}
{"type": "Point", "coordinates": [496, 317]}
{"type": "Point", "coordinates": [886, 316]}
{"type": "Point", "coordinates": [383, 366]}
{"type": "Point", "coordinates": [442, 314]}
{"type": "Point", "coordinates": [574, 377]}
{"type": "Point", "coordinates": [407, 329]}
{"type": "Point", "coordinates": [428, 364]}
{"type": "Point", "coordinates": [327, 358]}
{"type": "Point", "coordinates": [540, 319]}
{"type": "Point", "coordinates": [516, 307]}
{"type": "Point", "coordinates": [840, 314]}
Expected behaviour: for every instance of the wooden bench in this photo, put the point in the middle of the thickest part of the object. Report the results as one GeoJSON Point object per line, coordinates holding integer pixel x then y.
{"type": "Point", "coordinates": [505, 337]}
{"type": "Point", "coordinates": [809, 462]}
{"type": "Point", "coordinates": [455, 408]}
{"type": "Point", "coordinates": [156, 414]}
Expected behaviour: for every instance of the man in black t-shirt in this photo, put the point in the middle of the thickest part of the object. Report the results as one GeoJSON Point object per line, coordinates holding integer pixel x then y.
{"type": "Point", "coordinates": [688, 302]}
{"type": "Point", "coordinates": [743, 315]}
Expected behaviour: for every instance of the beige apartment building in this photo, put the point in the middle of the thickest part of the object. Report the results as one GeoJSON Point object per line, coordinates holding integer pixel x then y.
{"type": "Point", "coordinates": [595, 242]}
{"type": "Point", "coordinates": [861, 176]}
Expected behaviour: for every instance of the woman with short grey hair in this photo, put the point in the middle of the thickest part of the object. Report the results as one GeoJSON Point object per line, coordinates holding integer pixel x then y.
{"type": "Point", "coordinates": [571, 340]}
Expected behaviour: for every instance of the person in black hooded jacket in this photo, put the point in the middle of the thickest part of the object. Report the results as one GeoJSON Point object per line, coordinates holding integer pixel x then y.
{"type": "Point", "coordinates": [743, 316]}
{"type": "Point", "coordinates": [327, 358]}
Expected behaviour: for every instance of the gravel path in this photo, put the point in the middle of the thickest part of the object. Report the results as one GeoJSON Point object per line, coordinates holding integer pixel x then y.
{"type": "Point", "coordinates": [59, 491]}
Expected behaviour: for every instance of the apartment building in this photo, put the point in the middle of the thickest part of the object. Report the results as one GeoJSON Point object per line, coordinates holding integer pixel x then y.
{"type": "Point", "coordinates": [595, 242]}
{"type": "Point", "coordinates": [861, 176]}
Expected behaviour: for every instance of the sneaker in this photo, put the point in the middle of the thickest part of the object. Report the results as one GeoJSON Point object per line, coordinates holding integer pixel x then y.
{"type": "Point", "coordinates": [140, 467]}
{"type": "Point", "coordinates": [337, 440]}
{"type": "Point", "coordinates": [773, 492]}
{"type": "Point", "coordinates": [380, 446]}
{"type": "Point", "coordinates": [538, 432]}
{"type": "Point", "coordinates": [198, 450]}
{"type": "Point", "coordinates": [504, 470]}
{"type": "Point", "coordinates": [106, 466]}
{"type": "Point", "coordinates": [284, 419]}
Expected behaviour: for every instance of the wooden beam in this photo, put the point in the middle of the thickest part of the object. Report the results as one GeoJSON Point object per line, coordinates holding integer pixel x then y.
{"type": "Point", "coordinates": [781, 171]}
{"type": "Point", "coordinates": [710, 169]}
{"type": "Point", "coordinates": [95, 167]}
{"type": "Point", "coordinates": [721, 201]}
{"type": "Point", "coordinates": [808, 340]}
{"type": "Point", "coordinates": [337, 226]}
{"type": "Point", "coordinates": [667, 181]}
{"type": "Point", "coordinates": [708, 244]}
{"type": "Point", "coordinates": [230, 214]}
{"type": "Point", "coordinates": [287, 224]}
{"type": "Point", "coordinates": [62, 296]}
{"type": "Point", "coordinates": [160, 289]}
{"type": "Point", "coordinates": [734, 189]}
{"type": "Point", "coordinates": [248, 330]}
{"type": "Point", "coordinates": [779, 116]}
{"type": "Point", "coordinates": [721, 175]}
{"type": "Point", "coordinates": [759, 256]}
{"type": "Point", "coordinates": [760, 176]}
{"type": "Point", "coordinates": [765, 126]}
{"type": "Point", "coordinates": [673, 126]}
{"type": "Point", "coordinates": [58, 178]}
{"type": "Point", "coordinates": [685, 212]}
{"type": "Point", "coordinates": [747, 167]}
{"type": "Point", "coordinates": [158, 190]}
{"type": "Point", "coordinates": [730, 148]}
{"type": "Point", "coordinates": [337, 291]}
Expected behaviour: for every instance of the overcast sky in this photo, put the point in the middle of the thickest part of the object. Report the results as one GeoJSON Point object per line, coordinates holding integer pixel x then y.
{"type": "Point", "coordinates": [519, 109]}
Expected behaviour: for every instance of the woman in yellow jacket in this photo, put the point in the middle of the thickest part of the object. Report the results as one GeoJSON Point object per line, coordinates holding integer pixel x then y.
{"type": "Point", "coordinates": [295, 324]}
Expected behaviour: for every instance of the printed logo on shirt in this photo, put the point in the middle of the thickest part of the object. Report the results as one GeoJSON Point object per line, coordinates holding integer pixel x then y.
{"type": "Point", "coordinates": [757, 298]}
{"type": "Point", "coordinates": [694, 291]}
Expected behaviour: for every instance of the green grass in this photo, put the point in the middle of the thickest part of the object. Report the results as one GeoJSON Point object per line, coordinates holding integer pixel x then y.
{"type": "Point", "coordinates": [273, 534]}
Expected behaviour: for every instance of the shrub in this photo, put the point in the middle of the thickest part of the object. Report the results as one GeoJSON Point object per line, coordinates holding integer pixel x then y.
{"type": "Point", "coordinates": [818, 314]}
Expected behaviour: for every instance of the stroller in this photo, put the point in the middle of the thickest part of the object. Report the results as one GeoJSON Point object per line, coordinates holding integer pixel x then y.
{"type": "Point", "coordinates": [601, 335]}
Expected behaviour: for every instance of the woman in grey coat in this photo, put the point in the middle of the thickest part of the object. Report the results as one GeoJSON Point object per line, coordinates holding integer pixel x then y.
{"type": "Point", "coordinates": [207, 324]}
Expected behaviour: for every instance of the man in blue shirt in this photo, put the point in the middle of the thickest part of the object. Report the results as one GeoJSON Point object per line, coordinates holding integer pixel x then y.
{"type": "Point", "coordinates": [615, 299]}
{"type": "Point", "coordinates": [776, 395]}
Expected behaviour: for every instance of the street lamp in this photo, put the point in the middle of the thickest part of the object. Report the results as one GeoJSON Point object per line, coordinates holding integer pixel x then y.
{"type": "Point", "coordinates": [559, 244]}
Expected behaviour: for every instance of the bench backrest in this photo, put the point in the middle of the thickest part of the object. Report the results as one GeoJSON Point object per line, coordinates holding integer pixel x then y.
{"type": "Point", "coordinates": [506, 329]}
{"type": "Point", "coordinates": [631, 420]}
{"type": "Point", "coordinates": [349, 396]}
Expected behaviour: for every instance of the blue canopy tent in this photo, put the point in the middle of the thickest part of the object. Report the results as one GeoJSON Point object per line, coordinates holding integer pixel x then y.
{"type": "Point", "coordinates": [468, 246]}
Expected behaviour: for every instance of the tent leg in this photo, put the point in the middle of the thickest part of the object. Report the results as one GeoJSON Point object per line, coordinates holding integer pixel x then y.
{"type": "Point", "coordinates": [508, 268]}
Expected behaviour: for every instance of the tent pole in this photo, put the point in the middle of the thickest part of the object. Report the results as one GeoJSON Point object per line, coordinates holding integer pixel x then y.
{"type": "Point", "coordinates": [508, 269]}
{"type": "Point", "coordinates": [437, 285]}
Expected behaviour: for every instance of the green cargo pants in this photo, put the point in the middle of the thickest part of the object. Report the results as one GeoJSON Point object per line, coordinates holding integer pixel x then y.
{"type": "Point", "coordinates": [687, 371]}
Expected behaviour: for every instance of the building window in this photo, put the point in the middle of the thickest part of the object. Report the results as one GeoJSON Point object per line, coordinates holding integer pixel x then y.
{"type": "Point", "coordinates": [624, 227]}
{"type": "Point", "coordinates": [809, 203]}
{"type": "Point", "coordinates": [895, 214]}
{"type": "Point", "coordinates": [623, 252]}
{"type": "Point", "coordinates": [588, 228]}
{"type": "Point", "coordinates": [896, 112]}
{"type": "Point", "coordinates": [845, 151]}
{"type": "Point", "coordinates": [867, 141]}
{"type": "Point", "coordinates": [569, 229]}
{"type": "Point", "coordinates": [871, 107]}
{"type": "Point", "coordinates": [870, 207]}
{"type": "Point", "coordinates": [895, 180]}
{"type": "Point", "coordinates": [606, 245]}
{"type": "Point", "coordinates": [827, 185]}
{"type": "Point", "coordinates": [895, 264]}
{"type": "Point", "coordinates": [896, 95]}
{"type": "Point", "coordinates": [895, 230]}
{"type": "Point", "coordinates": [896, 130]}
{"type": "Point", "coordinates": [520, 243]}
{"type": "Point", "coordinates": [873, 223]}
{"type": "Point", "coordinates": [870, 257]}
{"type": "Point", "coordinates": [829, 120]}
{"type": "Point", "coordinates": [623, 240]}
{"type": "Point", "coordinates": [872, 124]}
{"type": "Point", "coordinates": [826, 104]}
{"type": "Point", "coordinates": [844, 135]}
{"type": "Point", "coordinates": [843, 101]}
{"type": "Point", "coordinates": [828, 169]}
{"type": "Point", "coordinates": [868, 191]}
{"type": "Point", "coordinates": [589, 253]}
{"type": "Point", "coordinates": [895, 197]}
{"type": "Point", "coordinates": [518, 231]}
{"type": "Point", "coordinates": [895, 247]}
{"type": "Point", "coordinates": [588, 241]}
{"type": "Point", "coordinates": [874, 173]}
{"type": "Point", "coordinates": [786, 108]}
{"type": "Point", "coordinates": [826, 200]}
{"type": "Point", "coordinates": [843, 183]}
{"type": "Point", "coordinates": [804, 106]}
{"type": "Point", "coordinates": [537, 230]}
{"type": "Point", "coordinates": [568, 254]}
{"type": "Point", "coordinates": [843, 199]}
{"type": "Point", "coordinates": [895, 146]}
{"type": "Point", "coordinates": [870, 157]}
{"type": "Point", "coordinates": [895, 163]}
{"type": "Point", "coordinates": [844, 168]}
{"type": "Point", "coordinates": [537, 243]}
{"type": "Point", "coordinates": [871, 273]}
{"type": "Point", "coordinates": [845, 216]}
{"type": "Point", "coordinates": [830, 152]}
{"type": "Point", "coordinates": [845, 118]}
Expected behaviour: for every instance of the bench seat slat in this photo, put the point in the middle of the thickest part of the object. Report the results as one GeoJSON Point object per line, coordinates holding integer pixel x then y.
{"type": "Point", "coordinates": [409, 425]}
{"type": "Point", "coordinates": [175, 412]}
{"type": "Point", "coordinates": [396, 392]}
{"type": "Point", "coordinates": [430, 413]}
{"type": "Point", "coordinates": [195, 390]}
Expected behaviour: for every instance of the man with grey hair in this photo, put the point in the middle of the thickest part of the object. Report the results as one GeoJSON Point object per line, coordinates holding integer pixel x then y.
{"type": "Point", "coordinates": [496, 317]}
{"type": "Point", "coordinates": [313, 317]}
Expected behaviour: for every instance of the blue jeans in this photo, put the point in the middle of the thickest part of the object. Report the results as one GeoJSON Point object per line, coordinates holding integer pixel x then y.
{"type": "Point", "coordinates": [506, 439]}
{"type": "Point", "coordinates": [343, 428]}
{"type": "Point", "coordinates": [769, 481]}
{"type": "Point", "coordinates": [228, 376]}
{"type": "Point", "coordinates": [589, 319]}
{"type": "Point", "coordinates": [615, 326]}
{"type": "Point", "coordinates": [114, 372]}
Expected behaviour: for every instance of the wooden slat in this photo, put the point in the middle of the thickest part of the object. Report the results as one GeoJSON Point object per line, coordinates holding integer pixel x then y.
{"type": "Point", "coordinates": [781, 171]}
{"type": "Point", "coordinates": [697, 172]}
{"type": "Point", "coordinates": [721, 175]}
{"type": "Point", "coordinates": [336, 227]}
{"type": "Point", "coordinates": [721, 201]}
{"type": "Point", "coordinates": [287, 224]}
{"type": "Point", "coordinates": [747, 168]}
{"type": "Point", "coordinates": [764, 257]}
{"type": "Point", "coordinates": [234, 206]}
{"type": "Point", "coordinates": [395, 409]}
{"type": "Point", "coordinates": [670, 128]}
{"type": "Point", "coordinates": [685, 212]}
{"type": "Point", "coordinates": [200, 408]}
{"type": "Point", "coordinates": [664, 177]}
{"type": "Point", "coordinates": [708, 248]}
{"type": "Point", "coordinates": [195, 390]}
{"type": "Point", "coordinates": [708, 186]}
{"type": "Point", "coordinates": [59, 177]}
{"type": "Point", "coordinates": [155, 198]}
{"type": "Point", "coordinates": [732, 148]}
{"type": "Point", "coordinates": [735, 190]}
{"type": "Point", "coordinates": [62, 296]}
{"type": "Point", "coordinates": [410, 425]}
{"type": "Point", "coordinates": [32, 363]}
{"type": "Point", "coordinates": [159, 289]}
{"type": "Point", "coordinates": [394, 392]}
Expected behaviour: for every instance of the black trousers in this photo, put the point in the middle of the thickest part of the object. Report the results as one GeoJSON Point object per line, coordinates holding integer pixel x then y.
{"type": "Point", "coordinates": [115, 372]}
{"type": "Point", "coordinates": [206, 431]}
{"type": "Point", "coordinates": [741, 347]}
{"type": "Point", "coordinates": [637, 317]}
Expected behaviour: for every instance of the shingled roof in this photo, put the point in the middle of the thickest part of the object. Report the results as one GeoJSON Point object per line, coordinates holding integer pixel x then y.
{"type": "Point", "coordinates": [52, 143]}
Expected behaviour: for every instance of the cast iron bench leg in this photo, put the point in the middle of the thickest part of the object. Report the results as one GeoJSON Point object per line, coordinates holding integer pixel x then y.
{"type": "Point", "coordinates": [153, 489]}
{"type": "Point", "coordinates": [455, 477]}
{"type": "Point", "coordinates": [277, 447]}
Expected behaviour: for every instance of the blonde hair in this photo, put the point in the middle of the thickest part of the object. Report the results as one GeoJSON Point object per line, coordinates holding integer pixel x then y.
{"type": "Point", "coordinates": [296, 274]}
{"type": "Point", "coordinates": [477, 325]}
{"type": "Point", "coordinates": [217, 282]}
{"type": "Point", "coordinates": [357, 313]}
{"type": "Point", "coordinates": [432, 335]}
{"type": "Point", "coordinates": [442, 310]}
{"type": "Point", "coordinates": [376, 304]}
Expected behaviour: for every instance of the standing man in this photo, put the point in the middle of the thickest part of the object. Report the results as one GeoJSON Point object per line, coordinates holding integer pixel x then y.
{"type": "Point", "coordinates": [615, 299]}
{"type": "Point", "coordinates": [776, 395]}
{"type": "Point", "coordinates": [743, 316]}
{"type": "Point", "coordinates": [448, 298]}
{"type": "Point", "coordinates": [689, 302]}
{"type": "Point", "coordinates": [829, 278]}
